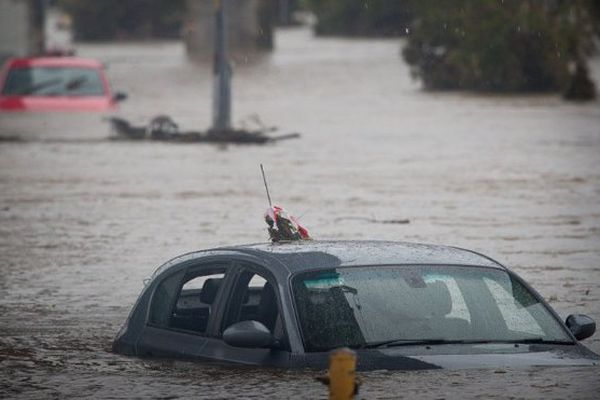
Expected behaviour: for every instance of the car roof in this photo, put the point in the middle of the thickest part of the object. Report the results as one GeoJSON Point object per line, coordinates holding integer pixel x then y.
{"type": "Point", "coordinates": [315, 254]}
{"type": "Point", "coordinates": [54, 62]}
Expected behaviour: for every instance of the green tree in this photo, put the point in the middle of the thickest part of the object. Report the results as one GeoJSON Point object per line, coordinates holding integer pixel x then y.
{"type": "Point", "coordinates": [500, 45]}
{"type": "Point", "coordinates": [360, 17]}
{"type": "Point", "coordinates": [110, 19]}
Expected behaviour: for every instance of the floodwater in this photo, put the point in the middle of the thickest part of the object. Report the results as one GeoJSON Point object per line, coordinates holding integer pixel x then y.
{"type": "Point", "coordinates": [84, 221]}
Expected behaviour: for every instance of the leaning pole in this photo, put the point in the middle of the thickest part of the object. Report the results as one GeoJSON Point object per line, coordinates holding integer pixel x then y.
{"type": "Point", "coordinates": [221, 73]}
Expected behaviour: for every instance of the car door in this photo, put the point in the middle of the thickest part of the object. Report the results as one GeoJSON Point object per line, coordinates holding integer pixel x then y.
{"type": "Point", "coordinates": [254, 296]}
{"type": "Point", "coordinates": [185, 309]}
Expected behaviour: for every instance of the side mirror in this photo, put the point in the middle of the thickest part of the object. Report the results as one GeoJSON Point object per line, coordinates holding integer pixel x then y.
{"type": "Point", "coordinates": [119, 96]}
{"type": "Point", "coordinates": [250, 334]}
{"type": "Point", "coordinates": [581, 325]}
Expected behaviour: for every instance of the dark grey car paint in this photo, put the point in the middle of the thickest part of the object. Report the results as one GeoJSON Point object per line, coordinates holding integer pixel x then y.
{"type": "Point", "coordinates": [278, 263]}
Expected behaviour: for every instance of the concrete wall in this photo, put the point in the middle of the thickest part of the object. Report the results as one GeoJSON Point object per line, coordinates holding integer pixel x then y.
{"type": "Point", "coordinates": [249, 28]}
{"type": "Point", "coordinates": [21, 28]}
{"type": "Point", "coordinates": [14, 28]}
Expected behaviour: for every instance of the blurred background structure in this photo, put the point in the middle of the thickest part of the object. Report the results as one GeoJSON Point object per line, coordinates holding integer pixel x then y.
{"type": "Point", "coordinates": [249, 28]}
{"type": "Point", "coordinates": [480, 45]}
{"type": "Point", "coordinates": [21, 28]}
{"type": "Point", "coordinates": [361, 18]}
{"type": "Point", "coordinates": [126, 19]}
{"type": "Point", "coordinates": [509, 46]}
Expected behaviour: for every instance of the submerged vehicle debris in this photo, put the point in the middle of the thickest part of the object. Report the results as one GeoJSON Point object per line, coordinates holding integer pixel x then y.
{"type": "Point", "coordinates": [163, 128]}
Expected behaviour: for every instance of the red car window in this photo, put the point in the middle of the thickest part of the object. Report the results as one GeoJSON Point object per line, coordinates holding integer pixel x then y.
{"type": "Point", "coordinates": [53, 81]}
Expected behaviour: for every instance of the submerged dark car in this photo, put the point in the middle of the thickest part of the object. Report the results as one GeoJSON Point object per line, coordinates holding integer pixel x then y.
{"type": "Point", "coordinates": [399, 305]}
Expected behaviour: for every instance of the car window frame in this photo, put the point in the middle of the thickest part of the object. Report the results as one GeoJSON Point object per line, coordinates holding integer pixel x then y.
{"type": "Point", "coordinates": [510, 273]}
{"type": "Point", "coordinates": [188, 267]}
{"type": "Point", "coordinates": [544, 303]}
{"type": "Point", "coordinates": [240, 266]}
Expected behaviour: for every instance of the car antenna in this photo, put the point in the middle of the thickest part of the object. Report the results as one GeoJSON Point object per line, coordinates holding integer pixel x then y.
{"type": "Point", "coordinates": [281, 225]}
{"type": "Point", "coordinates": [262, 169]}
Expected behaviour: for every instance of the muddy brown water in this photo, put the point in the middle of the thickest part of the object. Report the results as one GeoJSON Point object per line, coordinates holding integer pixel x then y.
{"type": "Point", "coordinates": [84, 220]}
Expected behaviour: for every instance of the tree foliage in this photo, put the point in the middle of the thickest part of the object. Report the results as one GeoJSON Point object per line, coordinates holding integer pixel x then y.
{"type": "Point", "coordinates": [500, 45]}
{"type": "Point", "coordinates": [361, 17]}
{"type": "Point", "coordinates": [485, 45]}
{"type": "Point", "coordinates": [110, 19]}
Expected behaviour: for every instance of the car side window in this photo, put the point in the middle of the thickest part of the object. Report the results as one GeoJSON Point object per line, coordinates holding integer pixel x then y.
{"type": "Point", "coordinates": [186, 301]}
{"type": "Point", "coordinates": [254, 299]}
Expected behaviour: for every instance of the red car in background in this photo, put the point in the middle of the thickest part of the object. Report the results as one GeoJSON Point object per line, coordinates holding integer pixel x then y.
{"type": "Point", "coordinates": [48, 84]}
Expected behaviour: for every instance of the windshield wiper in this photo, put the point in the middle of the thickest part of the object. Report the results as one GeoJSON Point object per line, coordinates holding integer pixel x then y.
{"type": "Point", "coordinates": [536, 341]}
{"type": "Point", "coordinates": [418, 342]}
{"type": "Point", "coordinates": [406, 342]}
{"type": "Point", "coordinates": [70, 85]}
{"type": "Point", "coordinates": [76, 82]}
{"type": "Point", "coordinates": [42, 85]}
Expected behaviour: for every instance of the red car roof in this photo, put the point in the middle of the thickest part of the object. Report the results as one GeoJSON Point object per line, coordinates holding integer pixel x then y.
{"type": "Point", "coordinates": [54, 62]}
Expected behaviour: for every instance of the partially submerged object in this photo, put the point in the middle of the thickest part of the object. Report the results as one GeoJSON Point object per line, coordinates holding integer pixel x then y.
{"type": "Point", "coordinates": [401, 306]}
{"type": "Point", "coordinates": [56, 85]}
{"type": "Point", "coordinates": [163, 128]}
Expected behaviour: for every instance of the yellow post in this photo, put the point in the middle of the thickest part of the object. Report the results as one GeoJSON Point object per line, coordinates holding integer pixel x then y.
{"type": "Point", "coordinates": [342, 374]}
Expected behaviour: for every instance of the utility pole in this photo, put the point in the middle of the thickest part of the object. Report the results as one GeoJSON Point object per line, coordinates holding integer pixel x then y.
{"type": "Point", "coordinates": [221, 72]}
{"type": "Point", "coordinates": [37, 29]}
{"type": "Point", "coordinates": [285, 12]}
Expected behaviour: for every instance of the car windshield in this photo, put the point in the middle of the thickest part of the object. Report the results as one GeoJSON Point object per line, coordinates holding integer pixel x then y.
{"type": "Point", "coordinates": [387, 306]}
{"type": "Point", "coordinates": [53, 81]}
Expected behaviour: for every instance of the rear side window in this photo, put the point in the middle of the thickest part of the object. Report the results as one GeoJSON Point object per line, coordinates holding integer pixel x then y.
{"type": "Point", "coordinates": [53, 81]}
{"type": "Point", "coordinates": [186, 301]}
